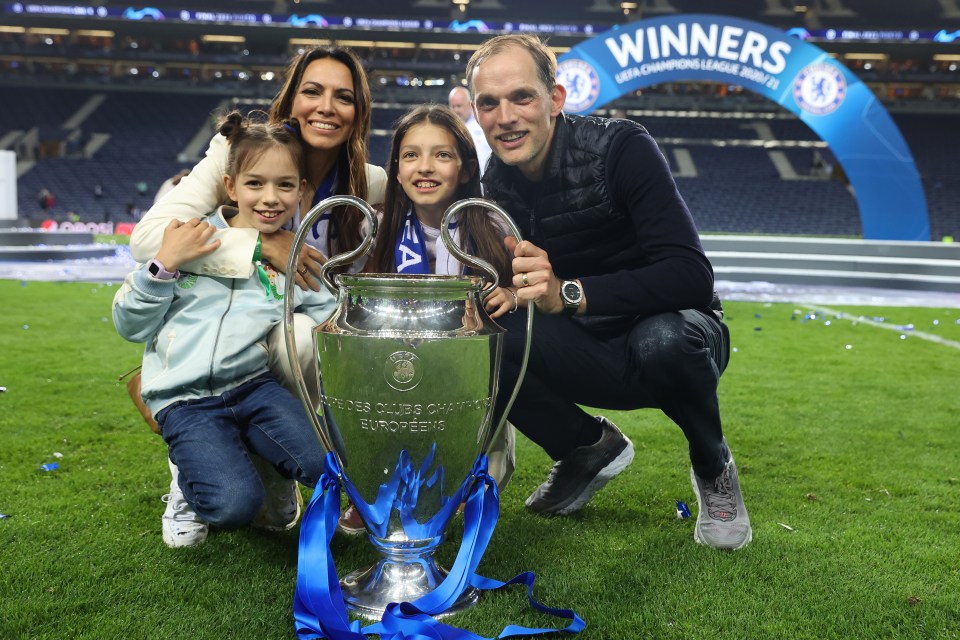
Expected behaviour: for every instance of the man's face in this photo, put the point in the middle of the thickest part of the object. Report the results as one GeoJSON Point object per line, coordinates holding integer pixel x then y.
{"type": "Point", "coordinates": [515, 110]}
{"type": "Point", "coordinates": [459, 102]}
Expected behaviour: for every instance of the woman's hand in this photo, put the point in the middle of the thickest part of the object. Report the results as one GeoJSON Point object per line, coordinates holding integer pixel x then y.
{"type": "Point", "coordinates": [185, 241]}
{"type": "Point", "coordinates": [275, 248]}
{"type": "Point", "coordinates": [502, 300]}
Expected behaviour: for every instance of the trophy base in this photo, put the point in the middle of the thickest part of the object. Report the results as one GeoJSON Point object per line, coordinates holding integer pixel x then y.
{"type": "Point", "coordinates": [367, 592]}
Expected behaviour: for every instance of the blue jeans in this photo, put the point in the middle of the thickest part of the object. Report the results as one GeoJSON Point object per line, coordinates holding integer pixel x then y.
{"type": "Point", "coordinates": [211, 440]}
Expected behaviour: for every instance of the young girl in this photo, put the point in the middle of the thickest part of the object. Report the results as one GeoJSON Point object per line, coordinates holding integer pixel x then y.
{"type": "Point", "coordinates": [206, 378]}
{"type": "Point", "coordinates": [433, 163]}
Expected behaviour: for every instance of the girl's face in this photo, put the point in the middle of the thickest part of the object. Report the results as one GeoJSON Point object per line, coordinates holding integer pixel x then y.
{"type": "Point", "coordinates": [267, 191]}
{"type": "Point", "coordinates": [430, 170]}
{"type": "Point", "coordinates": [325, 104]}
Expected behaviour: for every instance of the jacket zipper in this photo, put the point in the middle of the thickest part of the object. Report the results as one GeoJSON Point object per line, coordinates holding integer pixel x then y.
{"type": "Point", "coordinates": [216, 338]}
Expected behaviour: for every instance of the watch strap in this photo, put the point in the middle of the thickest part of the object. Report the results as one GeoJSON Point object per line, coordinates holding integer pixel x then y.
{"type": "Point", "coordinates": [570, 307]}
{"type": "Point", "coordinates": [158, 271]}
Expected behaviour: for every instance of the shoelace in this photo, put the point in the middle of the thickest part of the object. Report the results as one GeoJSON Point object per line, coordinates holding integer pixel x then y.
{"type": "Point", "coordinates": [721, 501]}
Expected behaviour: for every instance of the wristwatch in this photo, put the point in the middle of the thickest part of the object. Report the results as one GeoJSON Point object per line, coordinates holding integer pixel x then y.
{"type": "Point", "coordinates": [158, 271]}
{"type": "Point", "coordinates": [571, 292]}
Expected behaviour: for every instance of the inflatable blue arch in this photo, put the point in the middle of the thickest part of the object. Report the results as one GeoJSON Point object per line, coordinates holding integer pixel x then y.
{"type": "Point", "coordinates": [795, 74]}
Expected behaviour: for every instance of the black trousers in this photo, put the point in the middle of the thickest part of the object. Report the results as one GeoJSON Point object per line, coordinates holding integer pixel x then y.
{"type": "Point", "coordinates": [671, 361]}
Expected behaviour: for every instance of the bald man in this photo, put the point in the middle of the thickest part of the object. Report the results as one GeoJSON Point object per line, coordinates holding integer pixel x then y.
{"type": "Point", "coordinates": [459, 101]}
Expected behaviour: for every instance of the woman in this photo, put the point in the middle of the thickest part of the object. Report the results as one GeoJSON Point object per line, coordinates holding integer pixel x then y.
{"type": "Point", "coordinates": [327, 95]}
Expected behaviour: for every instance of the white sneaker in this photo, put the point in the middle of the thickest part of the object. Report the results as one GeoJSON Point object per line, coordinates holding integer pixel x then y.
{"type": "Point", "coordinates": [182, 527]}
{"type": "Point", "coordinates": [283, 501]}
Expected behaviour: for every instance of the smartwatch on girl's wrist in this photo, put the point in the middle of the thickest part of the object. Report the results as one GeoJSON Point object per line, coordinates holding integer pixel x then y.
{"type": "Point", "coordinates": [158, 271]}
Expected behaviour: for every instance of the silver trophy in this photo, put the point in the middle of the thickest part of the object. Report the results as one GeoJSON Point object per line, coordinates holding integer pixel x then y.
{"type": "Point", "coordinates": [408, 368]}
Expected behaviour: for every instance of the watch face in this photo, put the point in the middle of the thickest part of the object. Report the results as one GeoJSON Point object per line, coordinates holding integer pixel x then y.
{"type": "Point", "coordinates": [153, 268]}
{"type": "Point", "coordinates": [571, 292]}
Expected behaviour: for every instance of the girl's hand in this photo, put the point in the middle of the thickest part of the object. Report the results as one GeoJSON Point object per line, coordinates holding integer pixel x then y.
{"type": "Point", "coordinates": [275, 248]}
{"type": "Point", "coordinates": [502, 300]}
{"type": "Point", "coordinates": [186, 241]}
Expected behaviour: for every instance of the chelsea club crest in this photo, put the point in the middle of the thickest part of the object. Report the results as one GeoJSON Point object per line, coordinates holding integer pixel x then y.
{"type": "Point", "coordinates": [820, 88]}
{"type": "Point", "coordinates": [581, 82]}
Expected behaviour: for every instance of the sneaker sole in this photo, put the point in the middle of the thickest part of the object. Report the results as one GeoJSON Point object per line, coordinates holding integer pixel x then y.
{"type": "Point", "coordinates": [696, 527]}
{"type": "Point", "coordinates": [181, 542]}
{"type": "Point", "coordinates": [350, 531]}
{"type": "Point", "coordinates": [698, 540]}
{"type": "Point", "coordinates": [606, 474]}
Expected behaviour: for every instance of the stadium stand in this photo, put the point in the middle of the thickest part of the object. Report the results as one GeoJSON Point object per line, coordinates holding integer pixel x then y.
{"type": "Point", "coordinates": [130, 108]}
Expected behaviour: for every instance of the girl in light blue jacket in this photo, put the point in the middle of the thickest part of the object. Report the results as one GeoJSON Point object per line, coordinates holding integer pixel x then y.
{"type": "Point", "coordinates": [206, 378]}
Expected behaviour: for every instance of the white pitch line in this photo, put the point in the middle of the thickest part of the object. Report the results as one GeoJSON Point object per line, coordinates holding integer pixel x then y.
{"type": "Point", "coordinates": [930, 337]}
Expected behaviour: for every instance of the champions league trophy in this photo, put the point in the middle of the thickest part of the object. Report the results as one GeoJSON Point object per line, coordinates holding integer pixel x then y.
{"type": "Point", "coordinates": [408, 368]}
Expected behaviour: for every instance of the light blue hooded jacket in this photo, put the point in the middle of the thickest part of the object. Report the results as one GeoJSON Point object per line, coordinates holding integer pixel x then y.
{"type": "Point", "coordinates": [204, 334]}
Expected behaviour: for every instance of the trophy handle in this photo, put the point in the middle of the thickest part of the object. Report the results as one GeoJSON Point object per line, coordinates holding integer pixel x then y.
{"type": "Point", "coordinates": [288, 298]}
{"type": "Point", "coordinates": [466, 258]}
{"type": "Point", "coordinates": [493, 284]}
{"type": "Point", "coordinates": [348, 257]}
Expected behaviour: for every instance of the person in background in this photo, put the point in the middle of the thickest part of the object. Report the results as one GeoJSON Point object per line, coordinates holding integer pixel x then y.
{"type": "Point", "coordinates": [46, 200]}
{"type": "Point", "coordinates": [206, 378]}
{"type": "Point", "coordinates": [459, 101]}
{"type": "Point", "coordinates": [626, 312]}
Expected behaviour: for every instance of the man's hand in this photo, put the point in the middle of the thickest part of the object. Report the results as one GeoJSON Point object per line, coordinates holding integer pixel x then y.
{"type": "Point", "coordinates": [275, 248]}
{"type": "Point", "coordinates": [533, 276]}
{"type": "Point", "coordinates": [186, 241]}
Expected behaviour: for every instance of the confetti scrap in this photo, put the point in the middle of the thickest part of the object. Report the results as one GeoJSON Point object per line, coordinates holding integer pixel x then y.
{"type": "Point", "coordinates": [50, 466]}
{"type": "Point", "coordinates": [786, 526]}
{"type": "Point", "coordinates": [683, 511]}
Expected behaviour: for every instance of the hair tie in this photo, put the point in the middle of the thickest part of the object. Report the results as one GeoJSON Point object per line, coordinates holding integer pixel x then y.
{"type": "Point", "coordinates": [292, 129]}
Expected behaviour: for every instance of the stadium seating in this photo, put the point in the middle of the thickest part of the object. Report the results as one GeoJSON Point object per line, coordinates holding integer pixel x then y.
{"type": "Point", "coordinates": [736, 186]}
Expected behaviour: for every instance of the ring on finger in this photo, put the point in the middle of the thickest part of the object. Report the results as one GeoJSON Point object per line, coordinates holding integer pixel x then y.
{"type": "Point", "coordinates": [524, 280]}
{"type": "Point", "coordinates": [516, 302]}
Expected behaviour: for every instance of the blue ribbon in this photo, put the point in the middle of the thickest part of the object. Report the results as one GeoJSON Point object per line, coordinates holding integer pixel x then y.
{"type": "Point", "coordinates": [318, 607]}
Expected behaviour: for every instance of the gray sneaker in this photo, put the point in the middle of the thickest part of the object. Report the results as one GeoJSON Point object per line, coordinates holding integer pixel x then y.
{"type": "Point", "coordinates": [576, 478]}
{"type": "Point", "coordinates": [722, 520]}
{"type": "Point", "coordinates": [283, 501]}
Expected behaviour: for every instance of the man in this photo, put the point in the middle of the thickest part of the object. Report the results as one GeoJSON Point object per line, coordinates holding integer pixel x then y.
{"type": "Point", "coordinates": [626, 314]}
{"type": "Point", "coordinates": [459, 101]}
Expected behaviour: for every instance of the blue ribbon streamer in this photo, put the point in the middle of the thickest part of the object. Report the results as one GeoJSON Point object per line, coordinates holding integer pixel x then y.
{"type": "Point", "coordinates": [318, 607]}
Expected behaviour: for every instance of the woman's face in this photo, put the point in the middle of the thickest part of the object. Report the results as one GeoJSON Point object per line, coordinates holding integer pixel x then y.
{"type": "Point", "coordinates": [325, 104]}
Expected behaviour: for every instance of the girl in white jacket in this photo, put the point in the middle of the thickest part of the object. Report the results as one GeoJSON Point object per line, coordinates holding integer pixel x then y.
{"type": "Point", "coordinates": [206, 378]}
